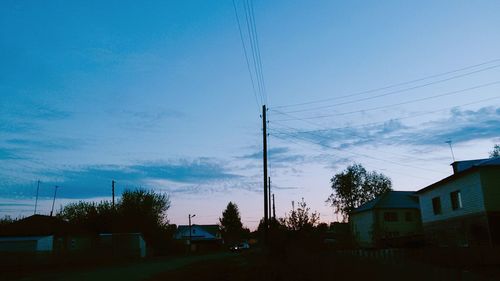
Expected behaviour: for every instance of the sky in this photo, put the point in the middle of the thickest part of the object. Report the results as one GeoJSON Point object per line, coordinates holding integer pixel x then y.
{"type": "Point", "coordinates": [158, 95]}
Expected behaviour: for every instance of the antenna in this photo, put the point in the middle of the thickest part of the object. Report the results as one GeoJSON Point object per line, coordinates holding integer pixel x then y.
{"type": "Point", "coordinates": [54, 200]}
{"type": "Point", "coordinates": [36, 200]}
{"type": "Point", "coordinates": [451, 148]}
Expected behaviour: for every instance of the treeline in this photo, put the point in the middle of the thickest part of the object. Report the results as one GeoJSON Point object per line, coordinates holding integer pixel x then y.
{"type": "Point", "coordinates": [139, 210]}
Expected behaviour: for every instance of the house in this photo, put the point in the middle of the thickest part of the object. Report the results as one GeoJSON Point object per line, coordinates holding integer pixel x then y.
{"type": "Point", "coordinates": [41, 239]}
{"type": "Point", "coordinates": [26, 244]}
{"type": "Point", "coordinates": [33, 230]}
{"type": "Point", "coordinates": [464, 209]}
{"type": "Point", "coordinates": [203, 237]}
{"type": "Point", "coordinates": [391, 219]}
{"type": "Point", "coordinates": [209, 232]}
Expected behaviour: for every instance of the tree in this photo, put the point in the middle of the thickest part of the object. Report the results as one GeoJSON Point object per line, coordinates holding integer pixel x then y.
{"type": "Point", "coordinates": [355, 186]}
{"type": "Point", "coordinates": [138, 210]}
{"type": "Point", "coordinates": [231, 226]}
{"type": "Point", "coordinates": [96, 217]}
{"type": "Point", "coordinates": [495, 152]}
{"type": "Point", "coordinates": [144, 207]}
{"type": "Point", "coordinates": [300, 219]}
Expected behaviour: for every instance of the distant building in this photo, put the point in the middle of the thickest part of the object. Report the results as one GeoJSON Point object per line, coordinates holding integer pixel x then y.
{"type": "Point", "coordinates": [199, 233]}
{"type": "Point", "coordinates": [26, 244]}
{"type": "Point", "coordinates": [36, 229]}
{"type": "Point", "coordinates": [391, 219]}
{"type": "Point", "coordinates": [123, 245]}
{"type": "Point", "coordinates": [464, 208]}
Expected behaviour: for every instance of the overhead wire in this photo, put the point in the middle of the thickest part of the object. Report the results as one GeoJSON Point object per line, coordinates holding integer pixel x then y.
{"type": "Point", "coordinates": [390, 86]}
{"type": "Point", "coordinates": [398, 104]}
{"type": "Point", "coordinates": [246, 56]}
{"type": "Point", "coordinates": [342, 151]}
{"type": "Point", "coordinates": [388, 120]}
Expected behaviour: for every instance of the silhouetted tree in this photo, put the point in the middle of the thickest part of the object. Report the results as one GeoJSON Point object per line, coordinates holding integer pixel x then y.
{"type": "Point", "coordinates": [495, 152]}
{"type": "Point", "coordinates": [231, 226]}
{"type": "Point", "coordinates": [355, 186]}
{"type": "Point", "coordinates": [139, 210]}
{"type": "Point", "coordinates": [96, 217]}
{"type": "Point", "coordinates": [301, 218]}
{"type": "Point", "coordinates": [6, 220]}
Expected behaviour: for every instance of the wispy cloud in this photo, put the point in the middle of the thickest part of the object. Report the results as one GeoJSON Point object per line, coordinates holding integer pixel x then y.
{"type": "Point", "coordinates": [460, 126]}
{"type": "Point", "coordinates": [94, 181]}
{"type": "Point", "coordinates": [276, 155]}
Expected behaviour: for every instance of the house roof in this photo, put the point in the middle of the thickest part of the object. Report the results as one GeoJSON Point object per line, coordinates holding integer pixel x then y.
{"type": "Point", "coordinates": [462, 168]}
{"type": "Point", "coordinates": [39, 225]}
{"type": "Point", "coordinates": [391, 200]}
{"type": "Point", "coordinates": [210, 228]}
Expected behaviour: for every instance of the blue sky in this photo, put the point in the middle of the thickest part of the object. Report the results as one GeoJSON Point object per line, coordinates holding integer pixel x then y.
{"type": "Point", "coordinates": [158, 95]}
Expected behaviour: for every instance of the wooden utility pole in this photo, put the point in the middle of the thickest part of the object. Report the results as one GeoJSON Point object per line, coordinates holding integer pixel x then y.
{"type": "Point", "coordinates": [113, 191]}
{"type": "Point", "coordinates": [269, 197]}
{"type": "Point", "coordinates": [274, 209]}
{"type": "Point", "coordinates": [264, 154]}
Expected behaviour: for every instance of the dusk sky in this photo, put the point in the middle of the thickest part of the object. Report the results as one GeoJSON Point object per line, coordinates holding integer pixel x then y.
{"type": "Point", "coordinates": [157, 94]}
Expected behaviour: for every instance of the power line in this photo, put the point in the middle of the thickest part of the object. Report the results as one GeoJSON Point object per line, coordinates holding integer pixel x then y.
{"type": "Point", "coordinates": [389, 86]}
{"type": "Point", "coordinates": [400, 103]}
{"type": "Point", "coordinates": [246, 56]}
{"type": "Point", "coordinates": [348, 132]}
{"type": "Point", "coordinates": [328, 146]}
{"type": "Point", "coordinates": [385, 121]}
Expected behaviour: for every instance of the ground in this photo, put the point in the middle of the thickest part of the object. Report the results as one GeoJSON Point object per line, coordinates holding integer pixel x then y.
{"type": "Point", "coordinates": [255, 265]}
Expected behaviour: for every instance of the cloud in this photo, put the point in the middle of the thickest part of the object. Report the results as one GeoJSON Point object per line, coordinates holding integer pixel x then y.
{"type": "Point", "coordinates": [276, 154]}
{"type": "Point", "coordinates": [10, 154]}
{"type": "Point", "coordinates": [27, 116]}
{"type": "Point", "coordinates": [146, 119]}
{"type": "Point", "coordinates": [460, 126]}
{"type": "Point", "coordinates": [95, 181]}
{"type": "Point", "coordinates": [47, 145]}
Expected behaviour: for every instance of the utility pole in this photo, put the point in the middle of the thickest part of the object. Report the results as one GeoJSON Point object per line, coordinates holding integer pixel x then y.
{"type": "Point", "coordinates": [269, 197]}
{"type": "Point", "coordinates": [113, 191]}
{"type": "Point", "coordinates": [54, 200]}
{"type": "Point", "coordinates": [274, 209]}
{"type": "Point", "coordinates": [264, 154]}
{"type": "Point", "coordinates": [36, 200]}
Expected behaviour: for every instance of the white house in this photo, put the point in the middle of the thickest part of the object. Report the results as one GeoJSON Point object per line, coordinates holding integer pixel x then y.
{"type": "Point", "coordinates": [391, 219]}
{"type": "Point", "coordinates": [464, 208]}
{"type": "Point", "coordinates": [198, 233]}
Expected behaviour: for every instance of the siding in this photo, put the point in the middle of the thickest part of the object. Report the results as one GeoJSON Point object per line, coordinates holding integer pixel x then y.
{"type": "Point", "coordinates": [490, 179]}
{"type": "Point", "coordinates": [362, 228]}
{"type": "Point", "coordinates": [401, 226]}
{"type": "Point", "coordinates": [471, 194]}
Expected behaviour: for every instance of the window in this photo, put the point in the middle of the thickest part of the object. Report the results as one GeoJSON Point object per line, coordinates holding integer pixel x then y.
{"type": "Point", "coordinates": [408, 216]}
{"type": "Point", "coordinates": [436, 205]}
{"type": "Point", "coordinates": [390, 216]}
{"type": "Point", "coordinates": [456, 200]}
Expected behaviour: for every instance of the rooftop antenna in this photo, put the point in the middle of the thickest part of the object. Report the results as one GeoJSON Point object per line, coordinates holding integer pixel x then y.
{"type": "Point", "coordinates": [451, 148]}
{"type": "Point", "coordinates": [36, 200]}
{"type": "Point", "coordinates": [54, 200]}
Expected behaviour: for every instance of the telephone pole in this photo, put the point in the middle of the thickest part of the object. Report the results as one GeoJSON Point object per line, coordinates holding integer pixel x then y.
{"type": "Point", "coordinates": [36, 200]}
{"type": "Point", "coordinates": [274, 209]}
{"type": "Point", "coordinates": [54, 200]}
{"type": "Point", "coordinates": [113, 191]}
{"type": "Point", "coordinates": [264, 154]}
